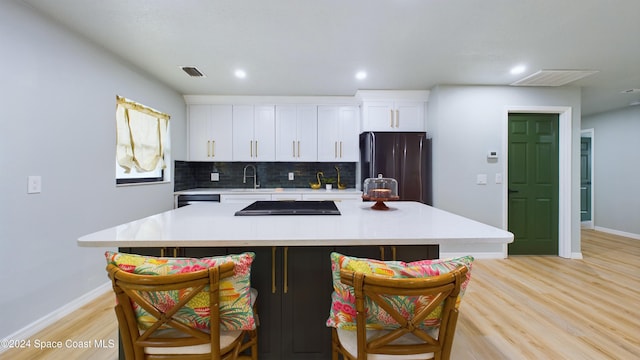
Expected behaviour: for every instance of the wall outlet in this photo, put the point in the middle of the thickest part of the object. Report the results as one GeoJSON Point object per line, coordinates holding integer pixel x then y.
{"type": "Point", "coordinates": [291, 176]}
{"type": "Point", "coordinates": [34, 184]}
{"type": "Point", "coordinates": [215, 176]}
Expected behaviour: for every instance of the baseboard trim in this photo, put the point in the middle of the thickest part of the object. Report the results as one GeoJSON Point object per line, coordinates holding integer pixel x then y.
{"type": "Point", "coordinates": [476, 255]}
{"type": "Point", "coordinates": [576, 255]}
{"type": "Point", "coordinates": [618, 232]}
{"type": "Point", "coordinates": [49, 319]}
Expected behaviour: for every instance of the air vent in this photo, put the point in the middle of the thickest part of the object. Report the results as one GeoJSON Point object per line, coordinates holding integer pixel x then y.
{"type": "Point", "coordinates": [192, 71]}
{"type": "Point", "coordinates": [553, 77]}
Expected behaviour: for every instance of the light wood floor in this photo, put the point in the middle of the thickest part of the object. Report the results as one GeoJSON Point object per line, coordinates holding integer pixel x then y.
{"type": "Point", "coordinates": [524, 307]}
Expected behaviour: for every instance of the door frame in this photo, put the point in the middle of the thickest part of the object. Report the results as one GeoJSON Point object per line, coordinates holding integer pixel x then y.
{"type": "Point", "coordinates": [589, 133]}
{"type": "Point", "coordinates": [564, 172]}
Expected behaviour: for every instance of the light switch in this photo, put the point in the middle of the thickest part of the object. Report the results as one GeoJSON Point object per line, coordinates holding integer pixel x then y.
{"type": "Point", "coordinates": [215, 176]}
{"type": "Point", "coordinates": [499, 178]}
{"type": "Point", "coordinates": [481, 179]}
{"type": "Point", "coordinates": [34, 184]}
{"type": "Point", "coordinates": [290, 176]}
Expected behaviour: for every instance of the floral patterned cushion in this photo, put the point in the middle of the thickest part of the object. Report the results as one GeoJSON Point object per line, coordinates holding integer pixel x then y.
{"type": "Point", "coordinates": [236, 312]}
{"type": "Point", "coordinates": [343, 309]}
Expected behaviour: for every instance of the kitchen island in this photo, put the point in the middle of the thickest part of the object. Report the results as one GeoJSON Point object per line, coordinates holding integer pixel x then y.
{"type": "Point", "coordinates": [214, 225]}
{"type": "Point", "coordinates": [292, 269]}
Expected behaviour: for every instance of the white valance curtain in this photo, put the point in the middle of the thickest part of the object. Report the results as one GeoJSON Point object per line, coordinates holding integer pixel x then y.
{"type": "Point", "coordinates": [141, 134]}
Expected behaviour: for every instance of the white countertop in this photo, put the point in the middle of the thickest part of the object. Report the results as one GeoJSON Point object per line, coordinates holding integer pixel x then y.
{"type": "Point", "coordinates": [266, 190]}
{"type": "Point", "coordinates": [211, 224]}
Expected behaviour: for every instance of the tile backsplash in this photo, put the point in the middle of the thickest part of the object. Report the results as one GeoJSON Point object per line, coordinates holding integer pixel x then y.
{"type": "Point", "coordinates": [191, 174]}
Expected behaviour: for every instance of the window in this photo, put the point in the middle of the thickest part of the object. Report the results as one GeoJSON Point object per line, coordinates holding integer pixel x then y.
{"type": "Point", "coordinates": [142, 142]}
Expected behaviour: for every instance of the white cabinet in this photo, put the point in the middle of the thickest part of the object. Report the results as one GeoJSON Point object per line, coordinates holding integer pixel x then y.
{"type": "Point", "coordinates": [253, 133]}
{"type": "Point", "coordinates": [338, 130]}
{"type": "Point", "coordinates": [284, 196]}
{"type": "Point", "coordinates": [244, 198]}
{"type": "Point", "coordinates": [393, 110]}
{"type": "Point", "coordinates": [333, 195]}
{"type": "Point", "coordinates": [210, 133]}
{"type": "Point", "coordinates": [296, 133]}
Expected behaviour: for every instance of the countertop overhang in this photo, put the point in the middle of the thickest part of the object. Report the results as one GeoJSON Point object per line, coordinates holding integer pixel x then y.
{"type": "Point", "coordinates": [213, 224]}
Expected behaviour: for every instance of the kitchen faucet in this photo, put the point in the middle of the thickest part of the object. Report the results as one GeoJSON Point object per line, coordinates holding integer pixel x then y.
{"type": "Point", "coordinates": [254, 176]}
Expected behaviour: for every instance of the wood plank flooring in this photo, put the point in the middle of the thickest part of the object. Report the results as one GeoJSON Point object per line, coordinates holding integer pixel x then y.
{"type": "Point", "coordinates": [524, 307]}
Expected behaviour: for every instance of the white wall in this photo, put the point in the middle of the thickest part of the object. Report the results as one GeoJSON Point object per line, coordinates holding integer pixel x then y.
{"type": "Point", "coordinates": [58, 121]}
{"type": "Point", "coordinates": [468, 121]}
{"type": "Point", "coordinates": [616, 169]}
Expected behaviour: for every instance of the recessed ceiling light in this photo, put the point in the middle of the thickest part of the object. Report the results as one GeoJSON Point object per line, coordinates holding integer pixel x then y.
{"type": "Point", "coordinates": [240, 74]}
{"type": "Point", "coordinates": [519, 69]}
{"type": "Point", "coordinates": [361, 75]}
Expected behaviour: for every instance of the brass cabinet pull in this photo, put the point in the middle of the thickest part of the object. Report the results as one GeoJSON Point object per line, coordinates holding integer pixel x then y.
{"type": "Point", "coordinates": [397, 118]}
{"type": "Point", "coordinates": [256, 148]}
{"type": "Point", "coordinates": [391, 116]}
{"type": "Point", "coordinates": [340, 149]}
{"type": "Point", "coordinates": [286, 269]}
{"type": "Point", "coordinates": [213, 148]}
{"type": "Point", "coordinates": [293, 148]}
{"type": "Point", "coordinates": [393, 253]}
{"type": "Point", "coordinates": [381, 253]}
{"type": "Point", "coordinates": [298, 148]}
{"type": "Point", "coordinates": [273, 269]}
{"type": "Point", "coordinates": [335, 149]}
{"type": "Point", "coordinates": [209, 148]}
{"type": "Point", "coordinates": [251, 148]}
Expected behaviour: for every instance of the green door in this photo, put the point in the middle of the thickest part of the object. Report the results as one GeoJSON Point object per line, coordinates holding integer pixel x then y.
{"type": "Point", "coordinates": [533, 184]}
{"type": "Point", "coordinates": [585, 179]}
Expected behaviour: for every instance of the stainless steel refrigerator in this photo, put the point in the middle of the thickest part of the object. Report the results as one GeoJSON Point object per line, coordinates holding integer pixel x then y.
{"type": "Point", "coordinates": [404, 156]}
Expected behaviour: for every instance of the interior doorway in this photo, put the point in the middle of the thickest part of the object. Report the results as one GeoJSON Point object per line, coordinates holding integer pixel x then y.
{"type": "Point", "coordinates": [565, 188]}
{"type": "Point", "coordinates": [586, 179]}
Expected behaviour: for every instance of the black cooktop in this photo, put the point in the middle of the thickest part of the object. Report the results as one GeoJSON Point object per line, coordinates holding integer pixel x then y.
{"type": "Point", "coordinates": [261, 208]}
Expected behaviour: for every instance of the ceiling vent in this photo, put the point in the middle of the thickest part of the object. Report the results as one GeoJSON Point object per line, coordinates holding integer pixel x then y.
{"type": "Point", "coordinates": [553, 77]}
{"type": "Point", "coordinates": [192, 71]}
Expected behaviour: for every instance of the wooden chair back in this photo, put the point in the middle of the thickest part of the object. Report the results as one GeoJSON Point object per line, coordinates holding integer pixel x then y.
{"type": "Point", "coordinates": [131, 288]}
{"type": "Point", "coordinates": [439, 290]}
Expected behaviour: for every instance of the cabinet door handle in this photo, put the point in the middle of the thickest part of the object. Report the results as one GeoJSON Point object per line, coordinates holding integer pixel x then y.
{"type": "Point", "coordinates": [391, 116]}
{"type": "Point", "coordinates": [273, 269]}
{"type": "Point", "coordinates": [293, 148]}
{"type": "Point", "coordinates": [209, 148]}
{"type": "Point", "coordinates": [213, 148]}
{"type": "Point", "coordinates": [286, 269]}
{"type": "Point", "coordinates": [251, 148]}
{"type": "Point", "coordinates": [381, 253]}
{"type": "Point", "coordinates": [298, 148]}
{"type": "Point", "coordinates": [393, 253]}
{"type": "Point", "coordinates": [256, 148]}
{"type": "Point", "coordinates": [340, 149]}
{"type": "Point", "coordinates": [397, 118]}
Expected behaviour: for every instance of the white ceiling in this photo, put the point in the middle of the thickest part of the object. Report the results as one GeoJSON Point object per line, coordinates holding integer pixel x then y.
{"type": "Point", "coordinates": [306, 47]}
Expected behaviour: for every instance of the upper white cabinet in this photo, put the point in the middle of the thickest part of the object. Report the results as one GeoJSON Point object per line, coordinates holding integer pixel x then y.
{"type": "Point", "coordinates": [253, 133]}
{"type": "Point", "coordinates": [296, 133]}
{"type": "Point", "coordinates": [210, 133]}
{"type": "Point", "coordinates": [338, 130]}
{"type": "Point", "coordinates": [393, 110]}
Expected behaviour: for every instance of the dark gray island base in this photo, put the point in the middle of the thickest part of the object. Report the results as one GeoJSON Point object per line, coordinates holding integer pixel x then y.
{"type": "Point", "coordinates": [294, 287]}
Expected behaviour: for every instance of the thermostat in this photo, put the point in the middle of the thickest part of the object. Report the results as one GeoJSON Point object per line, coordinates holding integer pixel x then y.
{"type": "Point", "coordinates": [492, 155]}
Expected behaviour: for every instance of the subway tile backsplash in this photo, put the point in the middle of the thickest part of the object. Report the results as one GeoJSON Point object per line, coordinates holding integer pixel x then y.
{"type": "Point", "coordinates": [191, 174]}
